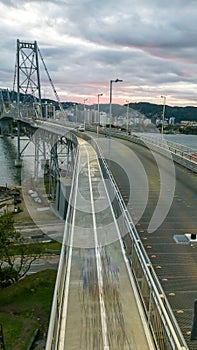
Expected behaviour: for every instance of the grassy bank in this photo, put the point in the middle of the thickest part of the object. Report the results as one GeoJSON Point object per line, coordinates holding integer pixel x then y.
{"type": "Point", "coordinates": [25, 307]}
{"type": "Point", "coordinates": [37, 248]}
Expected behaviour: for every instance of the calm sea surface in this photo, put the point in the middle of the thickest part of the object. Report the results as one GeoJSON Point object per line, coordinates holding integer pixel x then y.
{"type": "Point", "coordinates": [10, 175]}
{"type": "Point", "coordinates": [186, 140]}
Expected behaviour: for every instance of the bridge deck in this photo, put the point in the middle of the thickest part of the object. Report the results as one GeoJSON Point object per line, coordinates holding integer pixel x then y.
{"type": "Point", "coordinates": [100, 309]}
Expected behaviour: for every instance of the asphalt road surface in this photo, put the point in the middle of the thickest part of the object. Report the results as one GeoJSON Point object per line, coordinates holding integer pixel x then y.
{"type": "Point", "coordinates": [99, 308]}
{"type": "Point", "coordinates": [175, 264]}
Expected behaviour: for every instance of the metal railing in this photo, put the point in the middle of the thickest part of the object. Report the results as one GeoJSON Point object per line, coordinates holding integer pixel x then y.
{"type": "Point", "coordinates": [181, 154]}
{"type": "Point", "coordinates": [161, 320]}
{"type": "Point", "coordinates": [54, 324]}
{"type": "Point", "coordinates": [177, 148]}
{"type": "Point", "coordinates": [163, 325]}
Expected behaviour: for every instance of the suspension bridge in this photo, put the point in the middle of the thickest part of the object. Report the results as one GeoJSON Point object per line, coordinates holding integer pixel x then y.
{"type": "Point", "coordinates": [107, 293]}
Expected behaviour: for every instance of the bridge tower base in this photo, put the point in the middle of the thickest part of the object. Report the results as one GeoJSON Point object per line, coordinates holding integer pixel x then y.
{"type": "Point", "coordinates": [6, 127]}
{"type": "Point", "coordinates": [18, 163]}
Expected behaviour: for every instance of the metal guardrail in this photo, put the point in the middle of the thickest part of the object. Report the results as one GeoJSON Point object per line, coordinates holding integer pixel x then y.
{"type": "Point", "coordinates": [177, 147]}
{"type": "Point", "coordinates": [181, 154]}
{"type": "Point", "coordinates": [54, 324]}
{"type": "Point", "coordinates": [186, 156]}
{"type": "Point", "coordinates": [163, 325]}
{"type": "Point", "coordinates": [161, 320]}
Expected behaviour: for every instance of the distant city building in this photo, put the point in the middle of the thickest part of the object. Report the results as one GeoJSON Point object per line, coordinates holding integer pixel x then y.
{"type": "Point", "coordinates": [48, 110]}
{"type": "Point", "coordinates": [103, 118]}
{"type": "Point", "coordinates": [172, 120]}
{"type": "Point", "coordinates": [120, 120]}
{"type": "Point", "coordinates": [147, 121]}
{"type": "Point", "coordinates": [188, 123]}
{"type": "Point", "coordinates": [159, 121]}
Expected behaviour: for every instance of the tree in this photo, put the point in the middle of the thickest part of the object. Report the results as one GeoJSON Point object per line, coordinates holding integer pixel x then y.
{"type": "Point", "coordinates": [16, 256]}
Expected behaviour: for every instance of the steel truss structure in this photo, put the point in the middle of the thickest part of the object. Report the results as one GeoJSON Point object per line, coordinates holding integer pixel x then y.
{"type": "Point", "coordinates": [27, 74]}
{"type": "Point", "coordinates": [54, 156]}
{"type": "Point", "coordinates": [27, 79]}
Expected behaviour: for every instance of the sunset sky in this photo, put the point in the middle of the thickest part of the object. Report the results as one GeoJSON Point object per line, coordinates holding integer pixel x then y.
{"type": "Point", "coordinates": [150, 44]}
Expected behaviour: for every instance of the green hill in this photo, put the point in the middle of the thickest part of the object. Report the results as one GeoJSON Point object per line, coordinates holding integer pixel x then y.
{"type": "Point", "coordinates": [149, 110]}
{"type": "Point", "coordinates": [154, 111]}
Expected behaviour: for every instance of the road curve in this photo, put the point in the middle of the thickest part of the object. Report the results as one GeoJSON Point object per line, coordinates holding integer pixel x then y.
{"type": "Point", "coordinates": [100, 309]}
{"type": "Point", "coordinates": [175, 264]}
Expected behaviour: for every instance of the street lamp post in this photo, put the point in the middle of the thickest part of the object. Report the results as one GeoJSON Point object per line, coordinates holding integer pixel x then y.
{"type": "Point", "coordinates": [75, 105]}
{"type": "Point", "coordinates": [163, 114]}
{"type": "Point", "coordinates": [127, 117]}
{"type": "Point", "coordinates": [98, 107]}
{"type": "Point", "coordinates": [84, 101]}
{"type": "Point", "coordinates": [98, 125]}
{"type": "Point", "coordinates": [76, 111]}
{"type": "Point", "coordinates": [110, 102]}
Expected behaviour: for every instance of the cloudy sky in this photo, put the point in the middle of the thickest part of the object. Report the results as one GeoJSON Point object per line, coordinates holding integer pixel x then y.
{"type": "Point", "coordinates": [150, 44]}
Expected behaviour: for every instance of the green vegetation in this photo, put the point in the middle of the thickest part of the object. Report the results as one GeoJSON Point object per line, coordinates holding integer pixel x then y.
{"type": "Point", "coordinates": [153, 111]}
{"type": "Point", "coordinates": [24, 307]}
{"type": "Point", "coordinates": [25, 301]}
{"type": "Point", "coordinates": [16, 254]}
{"type": "Point", "coordinates": [37, 248]}
{"type": "Point", "coordinates": [189, 130]}
{"type": "Point", "coordinates": [14, 267]}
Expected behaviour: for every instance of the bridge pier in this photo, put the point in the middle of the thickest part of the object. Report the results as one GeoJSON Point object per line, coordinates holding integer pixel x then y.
{"type": "Point", "coordinates": [61, 165]}
{"type": "Point", "coordinates": [53, 170]}
{"type": "Point", "coordinates": [18, 161]}
{"type": "Point", "coordinates": [6, 127]}
{"type": "Point", "coordinates": [62, 197]}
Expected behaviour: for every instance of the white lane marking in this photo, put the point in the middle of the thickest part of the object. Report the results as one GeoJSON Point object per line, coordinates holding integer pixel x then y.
{"type": "Point", "coordinates": [99, 267]}
{"type": "Point", "coordinates": [128, 269]}
{"type": "Point", "coordinates": [67, 282]}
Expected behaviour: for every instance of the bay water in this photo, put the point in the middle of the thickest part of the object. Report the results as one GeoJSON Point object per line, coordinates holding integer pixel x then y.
{"type": "Point", "coordinates": [10, 175]}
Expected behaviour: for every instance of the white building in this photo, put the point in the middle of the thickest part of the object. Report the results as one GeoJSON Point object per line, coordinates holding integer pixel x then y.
{"type": "Point", "coordinates": [104, 119]}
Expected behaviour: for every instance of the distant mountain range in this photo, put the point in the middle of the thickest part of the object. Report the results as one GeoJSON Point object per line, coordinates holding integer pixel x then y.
{"type": "Point", "coordinates": [140, 109]}
{"type": "Point", "coordinates": [154, 111]}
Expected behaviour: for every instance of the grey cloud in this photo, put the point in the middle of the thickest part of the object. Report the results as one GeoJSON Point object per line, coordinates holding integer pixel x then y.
{"type": "Point", "coordinates": [17, 3]}
{"type": "Point", "coordinates": [163, 26]}
{"type": "Point", "coordinates": [143, 42]}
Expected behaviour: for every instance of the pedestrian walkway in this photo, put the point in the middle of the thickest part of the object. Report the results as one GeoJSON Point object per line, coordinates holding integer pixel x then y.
{"type": "Point", "coordinates": [101, 308]}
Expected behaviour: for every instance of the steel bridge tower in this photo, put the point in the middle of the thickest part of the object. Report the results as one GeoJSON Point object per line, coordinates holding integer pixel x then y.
{"type": "Point", "coordinates": [27, 76]}
{"type": "Point", "coordinates": [57, 148]}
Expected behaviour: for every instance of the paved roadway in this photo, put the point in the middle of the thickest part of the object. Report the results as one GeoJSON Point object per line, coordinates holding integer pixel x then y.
{"type": "Point", "coordinates": [175, 264]}
{"type": "Point", "coordinates": [42, 231]}
{"type": "Point", "coordinates": [45, 232]}
{"type": "Point", "coordinates": [100, 310]}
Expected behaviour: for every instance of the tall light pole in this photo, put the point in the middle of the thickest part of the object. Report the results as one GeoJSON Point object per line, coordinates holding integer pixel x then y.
{"type": "Point", "coordinates": [76, 111]}
{"type": "Point", "coordinates": [98, 107]}
{"type": "Point", "coordinates": [163, 114]}
{"type": "Point", "coordinates": [110, 102]}
{"type": "Point", "coordinates": [75, 105]}
{"type": "Point", "coordinates": [98, 124]}
{"type": "Point", "coordinates": [127, 117]}
{"type": "Point", "coordinates": [84, 101]}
